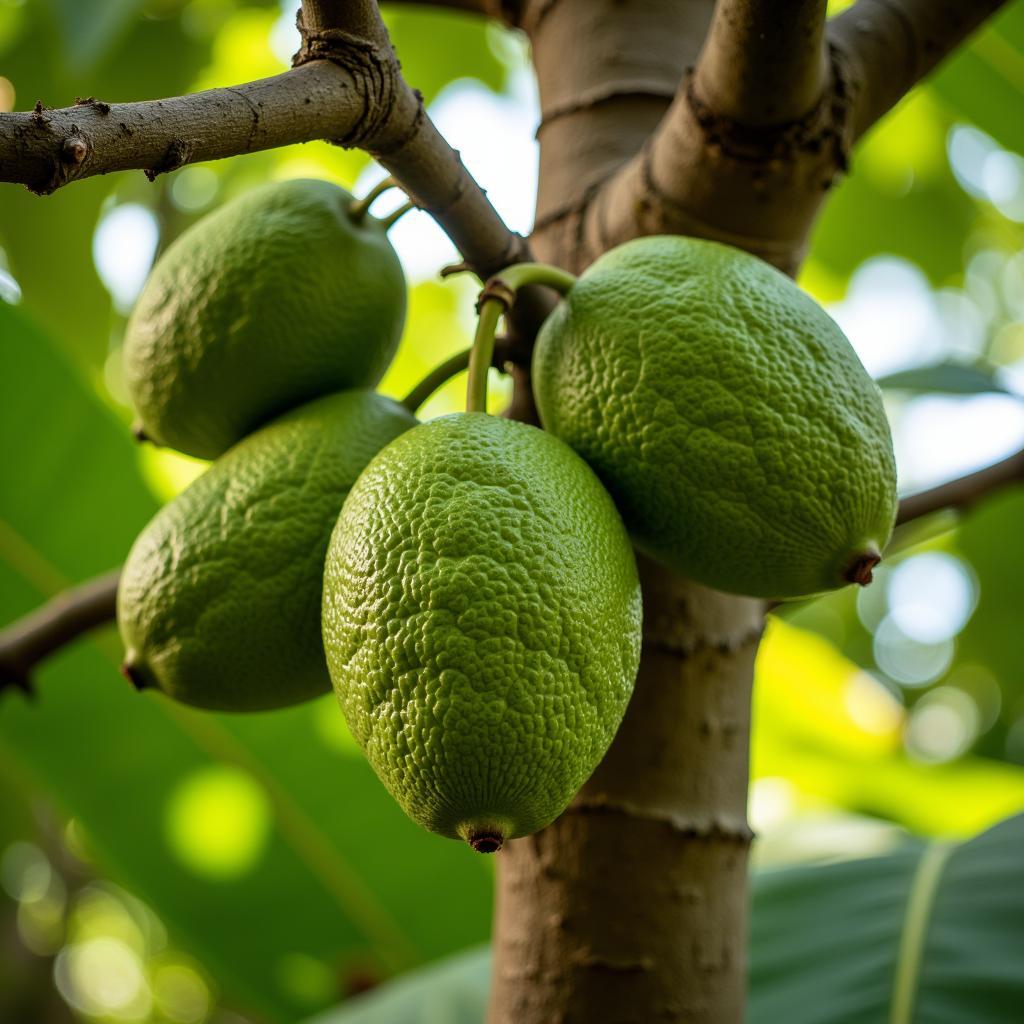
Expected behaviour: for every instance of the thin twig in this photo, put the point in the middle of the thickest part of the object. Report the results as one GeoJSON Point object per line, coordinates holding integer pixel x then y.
{"type": "Point", "coordinates": [34, 638]}
{"type": "Point", "coordinates": [360, 207]}
{"type": "Point", "coordinates": [963, 492]}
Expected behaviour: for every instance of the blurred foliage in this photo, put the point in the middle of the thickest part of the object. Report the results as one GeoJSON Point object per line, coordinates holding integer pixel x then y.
{"type": "Point", "coordinates": [928, 932]}
{"type": "Point", "coordinates": [284, 875]}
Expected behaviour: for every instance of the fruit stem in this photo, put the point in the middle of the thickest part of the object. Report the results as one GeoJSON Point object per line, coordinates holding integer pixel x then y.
{"type": "Point", "coordinates": [481, 355]}
{"type": "Point", "coordinates": [433, 380]}
{"type": "Point", "coordinates": [396, 215]}
{"type": "Point", "coordinates": [359, 208]}
{"type": "Point", "coordinates": [497, 298]}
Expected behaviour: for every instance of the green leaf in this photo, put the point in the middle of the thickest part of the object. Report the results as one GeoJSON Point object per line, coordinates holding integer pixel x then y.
{"type": "Point", "coordinates": [930, 934]}
{"type": "Point", "coordinates": [89, 28]}
{"type": "Point", "coordinates": [264, 842]}
{"type": "Point", "coordinates": [947, 378]}
{"type": "Point", "coordinates": [982, 82]}
{"type": "Point", "coordinates": [453, 991]}
{"type": "Point", "coordinates": [437, 47]}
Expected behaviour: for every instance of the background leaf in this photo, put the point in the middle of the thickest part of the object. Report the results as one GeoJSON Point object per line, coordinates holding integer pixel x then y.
{"type": "Point", "coordinates": [311, 868]}
{"type": "Point", "coordinates": [929, 934]}
{"type": "Point", "coordinates": [946, 377]}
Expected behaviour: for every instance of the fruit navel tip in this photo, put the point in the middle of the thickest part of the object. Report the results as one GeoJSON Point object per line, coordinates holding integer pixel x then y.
{"type": "Point", "coordinates": [486, 842]}
{"type": "Point", "coordinates": [135, 676]}
{"type": "Point", "coordinates": [139, 432]}
{"type": "Point", "coordinates": [859, 570]}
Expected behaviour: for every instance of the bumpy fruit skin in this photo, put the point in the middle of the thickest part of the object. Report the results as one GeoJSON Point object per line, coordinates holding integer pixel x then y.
{"type": "Point", "coordinates": [219, 602]}
{"type": "Point", "coordinates": [728, 415]}
{"type": "Point", "coordinates": [274, 299]}
{"type": "Point", "coordinates": [481, 620]}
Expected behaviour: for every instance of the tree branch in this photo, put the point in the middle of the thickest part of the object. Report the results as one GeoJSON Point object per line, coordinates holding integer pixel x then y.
{"type": "Point", "coordinates": [964, 491]}
{"type": "Point", "coordinates": [42, 633]}
{"type": "Point", "coordinates": [743, 154]}
{"type": "Point", "coordinates": [346, 88]}
{"type": "Point", "coordinates": [47, 149]}
{"type": "Point", "coordinates": [889, 45]}
{"type": "Point", "coordinates": [763, 62]}
{"type": "Point", "coordinates": [720, 166]}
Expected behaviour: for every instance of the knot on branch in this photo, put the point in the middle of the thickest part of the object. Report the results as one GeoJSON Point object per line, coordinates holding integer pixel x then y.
{"type": "Point", "coordinates": [374, 72]}
{"type": "Point", "coordinates": [821, 138]}
{"type": "Point", "coordinates": [177, 154]}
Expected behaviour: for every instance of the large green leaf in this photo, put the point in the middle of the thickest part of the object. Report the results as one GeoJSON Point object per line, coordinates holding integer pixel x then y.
{"type": "Point", "coordinates": [265, 842]}
{"type": "Point", "coordinates": [930, 934]}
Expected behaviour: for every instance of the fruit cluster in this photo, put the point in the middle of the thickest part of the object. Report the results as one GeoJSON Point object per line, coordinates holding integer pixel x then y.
{"type": "Point", "coordinates": [468, 584]}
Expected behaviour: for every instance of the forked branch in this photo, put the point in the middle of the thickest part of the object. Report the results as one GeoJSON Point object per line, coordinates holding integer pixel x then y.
{"type": "Point", "coordinates": [758, 133]}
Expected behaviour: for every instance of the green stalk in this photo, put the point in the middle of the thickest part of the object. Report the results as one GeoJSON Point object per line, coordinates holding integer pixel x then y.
{"type": "Point", "coordinates": [496, 298]}
{"type": "Point", "coordinates": [395, 216]}
{"type": "Point", "coordinates": [360, 207]}
{"type": "Point", "coordinates": [481, 355]}
{"type": "Point", "coordinates": [433, 380]}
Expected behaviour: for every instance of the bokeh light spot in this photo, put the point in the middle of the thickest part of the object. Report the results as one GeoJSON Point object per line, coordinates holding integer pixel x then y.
{"type": "Point", "coordinates": [217, 822]}
{"type": "Point", "coordinates": [871, 705]}
{"type": "Point", "coordinates": [907, 660]}
{"type": "Point", "coordinates": [123, 248]}
{"type": "Point", "coordinates": [25, 872]}
{"type": "Point", "coordinates": [103, 977]}
{"type": "Point", "coordinates": [194, 188]}
{"type": "Point", "coordinates": [180, 993]}
{"type": "Point", "coordinates": [931, 596]}
{"type": "Point", "coordinates": [942, 725]}
{"type": "Point", "coordinates": [773, 800]}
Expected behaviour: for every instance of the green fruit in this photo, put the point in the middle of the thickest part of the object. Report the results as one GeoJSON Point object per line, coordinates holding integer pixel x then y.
{"type": "Point", "coordinates": [481, 619]}
{"type": "Point", "coordinates": [276, 298]}
{"type": "Point", "coordinates": [727, 414]}
{"type": "Point", "coordinates": [219, 602]}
